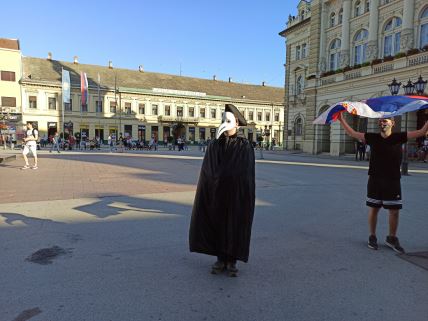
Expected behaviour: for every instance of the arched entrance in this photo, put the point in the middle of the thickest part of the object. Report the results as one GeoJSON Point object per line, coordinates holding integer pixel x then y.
{"type": "Point", "coordinates": [178, 130]}
{"type": "Point", "coordinates": [323, 134]}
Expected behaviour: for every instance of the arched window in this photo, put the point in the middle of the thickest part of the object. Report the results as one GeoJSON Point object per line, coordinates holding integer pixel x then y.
{"type": "Point", "coordinates": [302, 15]}
{"type": "Point", "coordinates": [298, 126]}
{"type": "Point", "coordinates": [300, 85]}
{"type": "Point", "coordinates": [332, 19]}
{"type": "Point", "coordinates": [297, 52]}
{"type": "Point", "coordinates": [424, 28]}
{"type": "Point", "coordinates": [360, 46]}
{"type": "Point", "coordinates": [357, 9]}
{"type": "Point", "coordinates": [334, 54]}
{"type": "Point", "coordinates": [392, 36]}
{"type": "Point", "coordinates": [340, 20]}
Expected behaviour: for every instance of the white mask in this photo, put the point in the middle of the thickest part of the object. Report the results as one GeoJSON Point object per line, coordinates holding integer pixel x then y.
{"type": "Point", "coordinates": [228, 122]}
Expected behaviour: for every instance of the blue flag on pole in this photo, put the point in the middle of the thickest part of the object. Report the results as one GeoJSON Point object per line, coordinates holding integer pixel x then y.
{"type": "Point", "coordinates": [66, 86]}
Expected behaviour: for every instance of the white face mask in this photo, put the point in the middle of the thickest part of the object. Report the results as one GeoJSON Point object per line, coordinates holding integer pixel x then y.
{"type": "Point", "coordinates": [228, 122]}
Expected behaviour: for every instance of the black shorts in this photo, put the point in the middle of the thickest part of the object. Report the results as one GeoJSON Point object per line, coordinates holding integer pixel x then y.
{"type": "Point", "coordinates": [384, 193]}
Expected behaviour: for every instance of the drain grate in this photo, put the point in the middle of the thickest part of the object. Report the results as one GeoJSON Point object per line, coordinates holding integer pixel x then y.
{"type": "Point", "coordinates": [418, 258]}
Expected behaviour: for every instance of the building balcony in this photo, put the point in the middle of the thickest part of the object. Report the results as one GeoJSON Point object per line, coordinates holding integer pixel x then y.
{"type": "Point", "coordinates": [378, 66]}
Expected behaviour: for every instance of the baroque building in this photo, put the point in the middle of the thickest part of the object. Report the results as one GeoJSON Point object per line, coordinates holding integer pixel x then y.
{"type": "Point", "coordinates": [340, 50]}
{"type": "Point", "coordinates": [132, 102]}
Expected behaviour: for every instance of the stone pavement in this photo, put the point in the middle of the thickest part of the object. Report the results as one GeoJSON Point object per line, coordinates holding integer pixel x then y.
{"type": "Point", "coordinates": [122, 221]}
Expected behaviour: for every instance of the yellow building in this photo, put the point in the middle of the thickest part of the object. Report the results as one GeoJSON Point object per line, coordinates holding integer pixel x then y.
{"type": "Point", "coordinates": [340, 50]}
{"type": "Point", "coordinates": [138, 103]}
{"type": "Point", "coordinates": [10, 89]}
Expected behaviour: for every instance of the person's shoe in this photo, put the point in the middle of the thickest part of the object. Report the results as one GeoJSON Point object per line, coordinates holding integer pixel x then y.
{"type": "Point", "coordinates": [372, 244]}
{"type": "Point", "coordinates": [25, 167]}
{"type": "Point", "coordinates": [393, 243]}
{"type": "Point", "coordinates": [34, 167]}
{"type": "Point", "coordinates": [50, 151]}
{"type": "Point", "coordinates": [232, 271]}
{"type": "Point", "coordinates": [218, 267]}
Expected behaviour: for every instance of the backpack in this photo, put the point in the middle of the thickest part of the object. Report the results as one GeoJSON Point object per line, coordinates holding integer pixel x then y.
{"type": "Point", "coordinates": [37, 140]}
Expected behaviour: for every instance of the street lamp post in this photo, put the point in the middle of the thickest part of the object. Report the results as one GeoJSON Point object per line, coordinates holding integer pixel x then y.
{"type": "Point", "coordinates": [409, 89]}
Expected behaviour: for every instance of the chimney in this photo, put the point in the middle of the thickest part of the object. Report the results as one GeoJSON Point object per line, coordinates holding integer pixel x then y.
{"type": "Point", "coordinates": [49, 55]}
{"type": "Point", "coordinates": [75, 61]}
{"type": "Point", "coordinates": [110, 64]}
{"type": "Point", "coordinates": [140, 68]}
{"type": "Point", "coordinates": [263, 83]}
{"type": "Point", "coordinates": [214, 77]}
{"type": "Point", "coordinates": [230, 79]}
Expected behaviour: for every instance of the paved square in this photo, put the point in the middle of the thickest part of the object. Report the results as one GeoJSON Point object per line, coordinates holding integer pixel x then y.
{"type": "Point", "coordinates": [122, 220]}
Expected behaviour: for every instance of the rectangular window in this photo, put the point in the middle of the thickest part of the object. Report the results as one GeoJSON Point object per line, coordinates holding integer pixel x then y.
{"type": "Point", "coordinates": [154, 109]}
{"type": "Point", "coordinates": [167, 110]}
{"type": "Point", "coordinates": [68, 106]}
{"type": "Point", "coordinates": [202, 112]}
{"type": "Point", "coordinates": [297, 52]}
{"type": "Point", "coordinates": [52, 103]}
{"type": "Point", "coordinates": [7, 75]}
{"type": "Point", "coordinates": [128, 108]}
{"type": "Point", "coordinates": [127, 131]}
{"type": "Point", "coordinates": [192, 134]}
{"type": "Point", "coordinates": [99, 106]}
{"type": "Point", "coordinates": [213, 113]}
{"type": "Point", "coordinates": [8, 101]}
{"type": "Point", "coordinates": [191, 112]}
{"type": "Point", "coordinates": [113, 107]}
{"type": "Point", "coordinates": [276, 116]}
{"type": "Point", "coordinates": [32, 102]}
{"type": "Point", "coordinates": [141, 109]}
{"type": "Point", "coordinates": [387, 49]}
{"type": "Point", "coordinates": [304, 50]}
{"type": "Point", "coordinates": [267, 116]}
{"type": "Point", "coordinates": [259, 116]}
{"type": "Point", "coordinates": [397, 43]}
{"type": "Point", "coordinates": [251, 115]}
{"type": "Point", "coordinates": [179, 111]}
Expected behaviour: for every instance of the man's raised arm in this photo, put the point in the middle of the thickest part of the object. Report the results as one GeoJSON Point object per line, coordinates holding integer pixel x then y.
{"type": "Point", "coordinates": [349, 130]}
{"type": "Point", "coordinates": [418, 133]}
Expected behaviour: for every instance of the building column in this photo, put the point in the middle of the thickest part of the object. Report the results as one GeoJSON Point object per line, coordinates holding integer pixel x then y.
{"type": "Point", "coordinates": [344, 52]}
{"type": "Point", "coordinates": [407, 32]}
{"type": "Point", "coordinates": [372, 46]}
{"type": "Point", "coordinates": [322, 64]}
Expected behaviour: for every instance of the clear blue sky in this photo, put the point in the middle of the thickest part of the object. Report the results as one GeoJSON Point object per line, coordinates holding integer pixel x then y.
{"type": "Point", "coordinates": [234, 38]}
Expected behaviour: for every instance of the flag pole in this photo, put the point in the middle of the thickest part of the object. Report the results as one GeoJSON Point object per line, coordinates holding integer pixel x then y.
{"type": "Point", "coordinates": [62, 105]}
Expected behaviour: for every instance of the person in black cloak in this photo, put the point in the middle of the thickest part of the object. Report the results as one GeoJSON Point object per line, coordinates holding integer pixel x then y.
{"type": "Point", "coordinates": [223, 209]}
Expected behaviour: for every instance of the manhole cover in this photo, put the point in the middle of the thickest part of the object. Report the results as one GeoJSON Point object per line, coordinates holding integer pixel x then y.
{"type": "Point", "coordinates": [418, 258]}
{"type": "Point", "coordinates": [45, 256]}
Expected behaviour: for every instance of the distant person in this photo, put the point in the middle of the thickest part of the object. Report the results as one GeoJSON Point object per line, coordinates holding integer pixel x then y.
{"type": "Point", "coordinates": [55, 143]}
{"type": "Point", "coordinates": [30, 145]}
{"type": "Point", "coordinates": [384, 187]}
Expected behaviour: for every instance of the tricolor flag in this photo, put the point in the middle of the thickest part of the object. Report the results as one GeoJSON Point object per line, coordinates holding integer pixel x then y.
{"type": "Point", "coordinates": [65, 86]}
{"type": "Point", "coordinates": [84, 88]}
{"type": "Point", "coordinates": [379, 107]}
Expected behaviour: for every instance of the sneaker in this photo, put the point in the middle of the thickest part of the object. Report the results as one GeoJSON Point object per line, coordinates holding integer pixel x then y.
{"type": "Point", "coordinates": [393, 243]}
{"type": "Point", "coordinates": [218, 267]}
{"type": "Point", "coordinates": [25, 167]}
{"type": "Point", "coordinates": [231, 269]}
{"type": "Point", "coordinates": [34, 167]}
{"type": "Point", "coordinates": [372, 244]}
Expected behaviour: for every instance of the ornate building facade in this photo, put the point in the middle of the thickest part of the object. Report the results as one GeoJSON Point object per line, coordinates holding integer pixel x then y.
{"type": "Point", "coordinates": [340, 50]}
{"type": "Point", "coordinates": [134, 102]}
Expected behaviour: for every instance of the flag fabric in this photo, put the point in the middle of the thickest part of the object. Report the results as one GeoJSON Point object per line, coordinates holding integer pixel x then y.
{"type": "Point", "coordinates": [66, 86]}
{"type": "Point", "coordinates": [379, 107]}
{"type": "Point", "coordinates": [84, 88]}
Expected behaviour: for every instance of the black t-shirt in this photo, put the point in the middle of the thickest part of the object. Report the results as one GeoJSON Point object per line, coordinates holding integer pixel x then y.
{"type": "Point", "coordinates": [385, 154]}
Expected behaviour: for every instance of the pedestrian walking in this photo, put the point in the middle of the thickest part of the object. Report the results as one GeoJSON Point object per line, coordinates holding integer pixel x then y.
{"type": "Point", "coordinates": [30, 145]}
{"type": "Point", "coordinates": [55, 143]}
{"type": "Point", "coordinates": [384, 187]}
{"type": "Point", "coordinates": [224, 203]}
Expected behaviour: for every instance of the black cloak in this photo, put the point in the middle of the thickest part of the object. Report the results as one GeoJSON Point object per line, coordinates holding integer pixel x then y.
{"type": "Point", "coordinates": [223, 209]}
